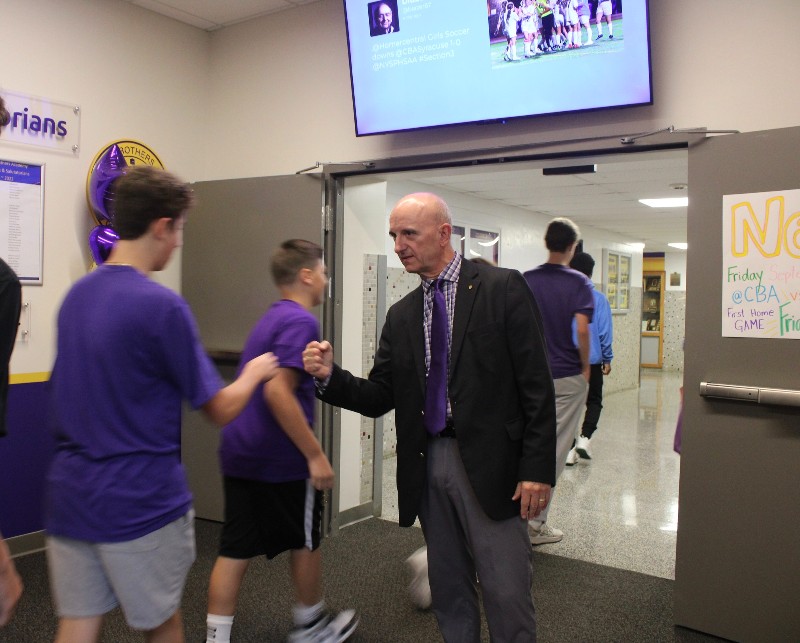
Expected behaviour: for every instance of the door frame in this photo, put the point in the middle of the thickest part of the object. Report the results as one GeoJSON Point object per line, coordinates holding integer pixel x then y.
{"type": "Point", "coordinates": [335, 177]}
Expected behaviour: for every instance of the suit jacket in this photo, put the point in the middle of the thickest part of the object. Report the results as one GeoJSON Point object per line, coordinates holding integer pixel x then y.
{"type": "Point", "coordinates": [10, 307]}
{"type": "Point", "coordinates": [500, 390]}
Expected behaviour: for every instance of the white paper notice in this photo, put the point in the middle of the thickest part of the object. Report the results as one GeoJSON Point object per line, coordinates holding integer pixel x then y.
{"type": "Point", "coordinates": [760, 267]}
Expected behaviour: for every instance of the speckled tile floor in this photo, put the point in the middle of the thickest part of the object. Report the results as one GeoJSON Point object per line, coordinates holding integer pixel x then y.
{"type": "Point", "coordinates": [621, 508]}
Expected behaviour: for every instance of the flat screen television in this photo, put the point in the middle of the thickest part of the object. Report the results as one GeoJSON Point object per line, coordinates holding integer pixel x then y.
{"type": "Point", "coordinates": [427, 63]}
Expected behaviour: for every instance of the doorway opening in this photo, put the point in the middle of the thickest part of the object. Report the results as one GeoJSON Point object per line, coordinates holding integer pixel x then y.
{"type": "Point", "coordinates": [631, 483]}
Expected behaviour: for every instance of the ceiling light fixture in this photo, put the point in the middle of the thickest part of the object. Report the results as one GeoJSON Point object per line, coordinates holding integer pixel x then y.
{"type": "Point", "coordinates": [679, 245]}
{"type": "Point", "coordinates": [671, 202]}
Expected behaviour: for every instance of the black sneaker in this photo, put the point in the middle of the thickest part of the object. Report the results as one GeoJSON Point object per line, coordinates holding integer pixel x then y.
{"type": "Point", "coordinates": [326, 629]}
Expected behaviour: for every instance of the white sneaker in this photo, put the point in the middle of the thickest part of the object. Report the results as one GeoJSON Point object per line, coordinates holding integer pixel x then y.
{"type": "Point", "coordinates": [572, 457]}
{"type": "Point", "coordinates": [420, 587]}
{"type": "Point", "coordinates": [326, 629]}
{"type": "Point", "coordinates": [545, 534]}
{"type": "Point", "coordinates": [582, 447]}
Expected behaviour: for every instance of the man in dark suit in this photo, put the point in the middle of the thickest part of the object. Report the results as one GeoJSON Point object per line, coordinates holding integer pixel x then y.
{"type": "Point", "coordinates": [10, 307]}
{"type": "Point", "coordinates": [475, 480]}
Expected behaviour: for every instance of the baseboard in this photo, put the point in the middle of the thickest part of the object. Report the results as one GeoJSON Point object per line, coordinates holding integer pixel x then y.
{"type": "Point", "coordinates": [26, 543]}
{"type": "Point", "coordinates": [355, 514]}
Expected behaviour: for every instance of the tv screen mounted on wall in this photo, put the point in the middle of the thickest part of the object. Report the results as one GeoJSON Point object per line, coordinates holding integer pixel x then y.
{"type": "Point", "coordinates": [427, 63]}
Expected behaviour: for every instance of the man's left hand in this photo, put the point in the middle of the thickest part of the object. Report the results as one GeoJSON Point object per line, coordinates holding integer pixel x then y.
{"type": "Point", "coordinates": [533, 498]}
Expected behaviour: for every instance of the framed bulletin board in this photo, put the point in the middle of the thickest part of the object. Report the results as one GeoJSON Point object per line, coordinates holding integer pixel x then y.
{"type": "Point", "coordinates": [617, 280]}
{"type": "Point", "coordinates": [22, 219]}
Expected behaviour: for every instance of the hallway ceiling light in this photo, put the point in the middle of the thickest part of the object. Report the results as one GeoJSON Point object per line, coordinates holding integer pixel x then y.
{"type": "Point", "coordinates": [679, 245]}
{"type": "Point", "coordinates": [671, 202]}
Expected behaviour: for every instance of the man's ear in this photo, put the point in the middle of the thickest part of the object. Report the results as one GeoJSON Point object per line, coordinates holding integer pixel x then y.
{"type": "Point", "coordinates": [445, 231]}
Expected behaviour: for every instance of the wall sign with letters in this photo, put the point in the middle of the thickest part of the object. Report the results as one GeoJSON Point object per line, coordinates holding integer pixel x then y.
{"type": "Point", "coordinates": [42, 122]}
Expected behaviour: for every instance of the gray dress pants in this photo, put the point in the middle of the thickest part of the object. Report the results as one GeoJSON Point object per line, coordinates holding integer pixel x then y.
{"type": "Point", "coordinates": [462, 542]}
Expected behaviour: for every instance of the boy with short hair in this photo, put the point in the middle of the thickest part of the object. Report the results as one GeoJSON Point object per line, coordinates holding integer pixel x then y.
{"type": "Point", "coordinates": [274, 468]}
{"type": "Point", "coordinates": [118, 511]}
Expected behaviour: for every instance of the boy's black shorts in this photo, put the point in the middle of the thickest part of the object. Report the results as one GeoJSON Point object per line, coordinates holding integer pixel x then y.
{"type": "Point", "coordinates": [269, 517]}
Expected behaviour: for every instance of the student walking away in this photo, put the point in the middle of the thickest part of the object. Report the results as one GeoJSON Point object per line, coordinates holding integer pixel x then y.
{"type": "Point", "coordinates": [118, 510]}
{"type": "Point", "coordinates": [275, 471]}
{"type": "Point", "coordinates": [460, 357]}
{"type": "Point", "coordinates": [564, 296]}
{"type": "Point", "coordinates": [601, 336]}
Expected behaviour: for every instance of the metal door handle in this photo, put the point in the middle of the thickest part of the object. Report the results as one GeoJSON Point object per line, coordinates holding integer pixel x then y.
{"type": "Point", "coordinates": [771, 396]}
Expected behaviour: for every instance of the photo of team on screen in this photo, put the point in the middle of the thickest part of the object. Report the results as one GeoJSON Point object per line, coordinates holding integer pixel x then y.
{"type": "Point", "coordinates": [549, 26]}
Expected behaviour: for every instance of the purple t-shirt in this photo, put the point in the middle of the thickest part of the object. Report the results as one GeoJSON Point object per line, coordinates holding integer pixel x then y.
{"type": "Point", "coordinates": [254, 446]}
{"type": "Point", "coordinates": [561, 292]}
{"type": "Point", "coordinates": [128, 355]}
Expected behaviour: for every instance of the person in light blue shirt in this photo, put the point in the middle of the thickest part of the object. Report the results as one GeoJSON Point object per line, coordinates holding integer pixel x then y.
{"type": "Point", "coordinates": [600, 356]}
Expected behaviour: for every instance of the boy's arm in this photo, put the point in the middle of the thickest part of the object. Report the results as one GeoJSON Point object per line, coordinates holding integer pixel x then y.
{"type": "Point", "coordinates": [279, 394]}
{"type": "Point", "coordinates": [229, 401]}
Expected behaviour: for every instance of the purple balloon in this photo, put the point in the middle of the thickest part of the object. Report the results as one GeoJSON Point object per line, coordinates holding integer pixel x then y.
{"type": "Point", "coordinates": [101, 242]}
{"type": "Point", "coordinates": [109, 166]}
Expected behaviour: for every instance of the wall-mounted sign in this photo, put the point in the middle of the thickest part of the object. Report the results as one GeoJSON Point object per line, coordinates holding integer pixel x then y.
{"type": "Point", "coordinates": [760, 268]}
{"type": "Point", "coordinates": [42, 122]}
{"type": "Point", "coordinates": [22, 219]}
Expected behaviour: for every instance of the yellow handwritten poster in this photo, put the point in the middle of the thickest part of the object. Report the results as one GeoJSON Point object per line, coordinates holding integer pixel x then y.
{"type": "Point", "coordinates": [761, 265]}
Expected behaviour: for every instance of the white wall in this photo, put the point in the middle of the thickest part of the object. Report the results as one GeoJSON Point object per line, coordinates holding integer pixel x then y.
{"type": "Point", "coordinates": [134, 75]}
{"type": "Point", "coordinates": [675, 262]}
{"type": "Point", "coordinates": [281, 89]}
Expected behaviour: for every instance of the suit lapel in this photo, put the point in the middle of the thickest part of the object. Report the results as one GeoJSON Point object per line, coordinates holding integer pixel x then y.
{"type": "Point", "coordinates": [468, 286]}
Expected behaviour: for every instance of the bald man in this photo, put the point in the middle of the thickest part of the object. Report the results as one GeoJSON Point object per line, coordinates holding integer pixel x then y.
{"type": "Point", "coordinates": [477, 476]}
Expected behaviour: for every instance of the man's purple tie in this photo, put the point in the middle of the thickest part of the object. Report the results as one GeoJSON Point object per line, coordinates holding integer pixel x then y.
{"type": "Point", "coordinates": [436, 387]}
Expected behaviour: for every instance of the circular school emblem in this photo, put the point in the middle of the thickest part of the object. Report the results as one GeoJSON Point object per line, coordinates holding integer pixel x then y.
{"type": "Point", "coordinates": [106, 166]}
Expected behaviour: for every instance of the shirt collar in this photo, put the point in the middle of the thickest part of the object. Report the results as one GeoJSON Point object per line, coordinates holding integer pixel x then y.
{"type": "Point", "coordinates": [450, 272]}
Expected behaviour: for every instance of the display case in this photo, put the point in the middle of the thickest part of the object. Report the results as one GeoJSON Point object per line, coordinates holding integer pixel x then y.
{"type": "Point", "coordinates": [652, 319]}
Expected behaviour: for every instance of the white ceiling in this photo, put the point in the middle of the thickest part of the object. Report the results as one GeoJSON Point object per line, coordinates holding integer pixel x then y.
{"type": "Point", "coordinates": [606, 200]}
{"type": "Point", "coordinates": [215, 14]}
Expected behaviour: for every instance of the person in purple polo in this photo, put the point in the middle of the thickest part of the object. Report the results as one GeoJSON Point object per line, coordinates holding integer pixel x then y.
{"type": "Point", "coordinates": [275, 470]}
{"type": "Point", "coordinates": [565, 297]}
{"type": "Point", "coordinates": [118, 510]}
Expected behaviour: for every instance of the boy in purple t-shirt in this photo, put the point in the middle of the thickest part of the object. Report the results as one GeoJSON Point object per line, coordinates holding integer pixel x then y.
{"type": "Point", "coordinates": [118, 508]}
{"type": "Point", "coordinates": [564, 296]}
{"type": "Point", "coordinates": [274, 468]}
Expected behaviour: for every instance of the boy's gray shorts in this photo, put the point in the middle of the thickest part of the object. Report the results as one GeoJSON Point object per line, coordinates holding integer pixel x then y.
{"type": "Point", "coordinates": [145, 576]}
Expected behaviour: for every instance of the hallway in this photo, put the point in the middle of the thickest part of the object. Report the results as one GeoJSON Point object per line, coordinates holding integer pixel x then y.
{"type": "Point", "coordinates": [619, 509]}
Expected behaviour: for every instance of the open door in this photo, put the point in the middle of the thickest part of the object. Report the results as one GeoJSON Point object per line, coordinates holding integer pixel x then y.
{"type": "Point", "coordinates": [228, 242]}
{"type": "Point", "coordinates": [738, 558]}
